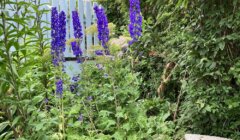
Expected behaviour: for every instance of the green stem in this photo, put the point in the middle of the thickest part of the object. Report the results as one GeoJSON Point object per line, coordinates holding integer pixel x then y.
{"type": "Point", "coordinates": [9, 63]}
{"type": "Point", "coordinates": [18, 27]}
{"type": "Point", "coordinates": [9, 116]}
{"type": "Point", "coordinates": [63, 119]}
{"type": "Point", "coordinates": [115, 97]}
{"type": "Point", "coordinates": [9, 60]}
{"type": "Point", "coordinates": [41, 49]}
{"type": "Point", "coordinates": [89, 116]}
{"type": "Point", "coordinates": [116, 105]}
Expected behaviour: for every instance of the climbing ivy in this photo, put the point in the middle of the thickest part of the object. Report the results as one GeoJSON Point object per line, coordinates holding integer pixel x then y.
{"type": "Point", "coordinates": [196, 44]}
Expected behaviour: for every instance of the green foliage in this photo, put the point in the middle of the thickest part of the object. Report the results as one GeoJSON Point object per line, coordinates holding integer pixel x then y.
{"type": "Point", "coordinates": [24, 73]}
{"type": "Point", "coordinates": [117, 11]}
{"type": "Point", "coordinates": [119, 100]}
{"type": "Point", "coordinates": [202, 39]}
{"type": "Point", "coordinates": [114, 110]}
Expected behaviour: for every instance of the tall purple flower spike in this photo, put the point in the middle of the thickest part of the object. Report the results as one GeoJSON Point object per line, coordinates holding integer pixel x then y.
{"type": "Point", "coordinates": [76, 50]}
{"type": "Point", "coordinates": [135, 26]}
{"type": "Point", "coordinates": [54, 35]}
{"type": "Point", "coordinates": [59, 87]}
{"type": "Point", "coordinates": [77, 25]}
{"type": "Point", "coordinates": [102, 25]}
{"type": "Point", "coordinates": [58, 34]}
{"type": "Point", "coordinates": [78, 35]}
{"type": "Point", "coordinates": [62, 31]}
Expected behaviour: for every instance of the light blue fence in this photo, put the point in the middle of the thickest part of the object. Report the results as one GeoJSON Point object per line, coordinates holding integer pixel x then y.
{"type": "Point", "coordinates": [87, 18]}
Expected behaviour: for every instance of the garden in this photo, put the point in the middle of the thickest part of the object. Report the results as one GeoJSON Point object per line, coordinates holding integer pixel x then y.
{"type": "Point", "coordinates": [119, 69]}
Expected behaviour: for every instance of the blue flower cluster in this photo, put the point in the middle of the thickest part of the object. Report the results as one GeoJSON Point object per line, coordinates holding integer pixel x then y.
{"type": "Point", "coordinates": [80, 118]}
{"type": "Point", "coordinates": [75, 78]}
{"type": "Point", "coordinates": [99, 66]}
{"type": "Point", "coordinates": [74, 85]}
{"type": "Point", "coordinates": [58, 34]}
{"type": "Point", "coordinates": [54, 34]}
{"type": "Point", "coordinates": [102, 25]}
{"type": "Point", "coordinates": [62, 31]}
{"type": "Point", "coordinates": [135, 26]}
{"type": "Point", "coordinates": [99, 52]}
{"type": "Point", "coordinates": [76, 50]}
{"type": "Point", "coordinates": [59, 87]}
{"type": "Point", "coordinates": [77, 25]}
{"type": "Point", "coordinates": [89, 98]}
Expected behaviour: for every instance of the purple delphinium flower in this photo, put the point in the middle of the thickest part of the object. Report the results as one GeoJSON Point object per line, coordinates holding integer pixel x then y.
{"type": "Point", "coordinates": [75, 78]}
{"type": "Point", "coordinates": [74, 84]}
{"type": "Point", "coordinates": [99, 66]}
{"type": "Point", "coordinates": [46, 100]}
{"type": "Point", "coordinates": [62, 31]}
{"type": "Point", "coordinates": [73, 87]}
{"type": "Point", "coordinates": [58, 34]}
{"type": "Point", "coordinates": [59, 87]}
{"type": "Point", "coordinates": [102, 25]}
{"type": "Point", "coordinates": [105, 75]}
{"type": "Point", "coordinates": [99, 52]}
{"type": "Point", "coordinates": [135, 26]}
{"type": "Point", "coordinates": [76, 50]}
{"type": "Point", "coordinates": [54, 34]}
{"type": "Point", "coordinates": [77, 25]}
{"type": "Point", "coordinates": [54, 28]}
{"type": "Point", "coordinates": [78, 35]}
{"type": "Point", "coordinates": [80, 118]}
{"type": "Point", "coordinates": [89, 98]}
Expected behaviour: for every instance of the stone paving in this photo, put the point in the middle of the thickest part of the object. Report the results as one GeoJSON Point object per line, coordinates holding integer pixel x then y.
{"type": "Point", "coordinates": [203, 137]}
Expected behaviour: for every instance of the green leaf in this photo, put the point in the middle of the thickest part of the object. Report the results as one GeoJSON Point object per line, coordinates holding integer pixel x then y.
{"type": "Point", "coordinates": [39, 126]}
{"type": "Point", "coordinates": [132, 137]}
{"type": "Point", "coordinates": [3, 135]}
{"type": "Point", "coordinates": [7, 137]}
{"type": "Point", "coordinates": [37, 99]}
{"type": "Point", "coordinates": [221, 45]}
{"type": "Point", "coordinates": [104, 113]}
{"type": "Point", "coordinates": [14, 69]}
{"type": "Point", "coordinates": [126, 126]}
{"type": "Point", "coordinates": [3, 125]}
{"type": "Point", "coordinates": [119, 135]}
{"type": "Point", "coordinates": [74, 110]}
{"type": "Point", "coordinates": [15, 121]}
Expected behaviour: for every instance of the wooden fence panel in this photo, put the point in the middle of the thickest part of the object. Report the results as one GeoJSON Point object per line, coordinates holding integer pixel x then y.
{"type": "Point", "coordinates": [81, 14]}
{"type": "Point", "coordinates": [88, 22]}
{"type": "Point", "coordinates": [96, 41]}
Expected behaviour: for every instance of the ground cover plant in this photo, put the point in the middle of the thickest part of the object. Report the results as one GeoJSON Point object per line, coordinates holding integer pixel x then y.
{"type": "Point", "coordinates": [163, 68]}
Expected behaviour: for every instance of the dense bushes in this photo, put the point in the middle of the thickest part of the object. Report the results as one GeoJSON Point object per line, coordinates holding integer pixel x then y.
{"type": "Point", "coordinates": [202, 39]}
{"type": "Point", "coordinates": [109, 106]}
{"type": "Point", "coordinates": [24, 68]}
{"type": "Point", "coordinates": [182, 76]}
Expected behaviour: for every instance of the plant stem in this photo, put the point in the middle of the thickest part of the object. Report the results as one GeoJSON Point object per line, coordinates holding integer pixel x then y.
{"type": "Point", "coordinates": [63, 120]}
{"type": "Point", "coordinates": [89, 116]}
{"type": "Point", "coordinates": [178, 104]}
{"type": "Point", "coordinates": [115, 98]}
{"type": "Point", "coordinates": [10, 66]}
{"type": "Point", "coordinates": [9, 58]}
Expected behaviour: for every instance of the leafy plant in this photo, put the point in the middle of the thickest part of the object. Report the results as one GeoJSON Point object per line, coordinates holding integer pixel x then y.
{"type": "Point", "coordinates": [108, 105]}
{"type": "Point", "coordinates": [24, 72]}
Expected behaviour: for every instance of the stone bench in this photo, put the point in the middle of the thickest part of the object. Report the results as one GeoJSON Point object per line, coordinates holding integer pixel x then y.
{"type": "Point", "coordinates": [202, 137]}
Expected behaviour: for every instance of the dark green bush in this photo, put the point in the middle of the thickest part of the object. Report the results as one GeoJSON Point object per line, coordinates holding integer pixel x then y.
{"type": "Point", "coordinates": [202, 39]}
